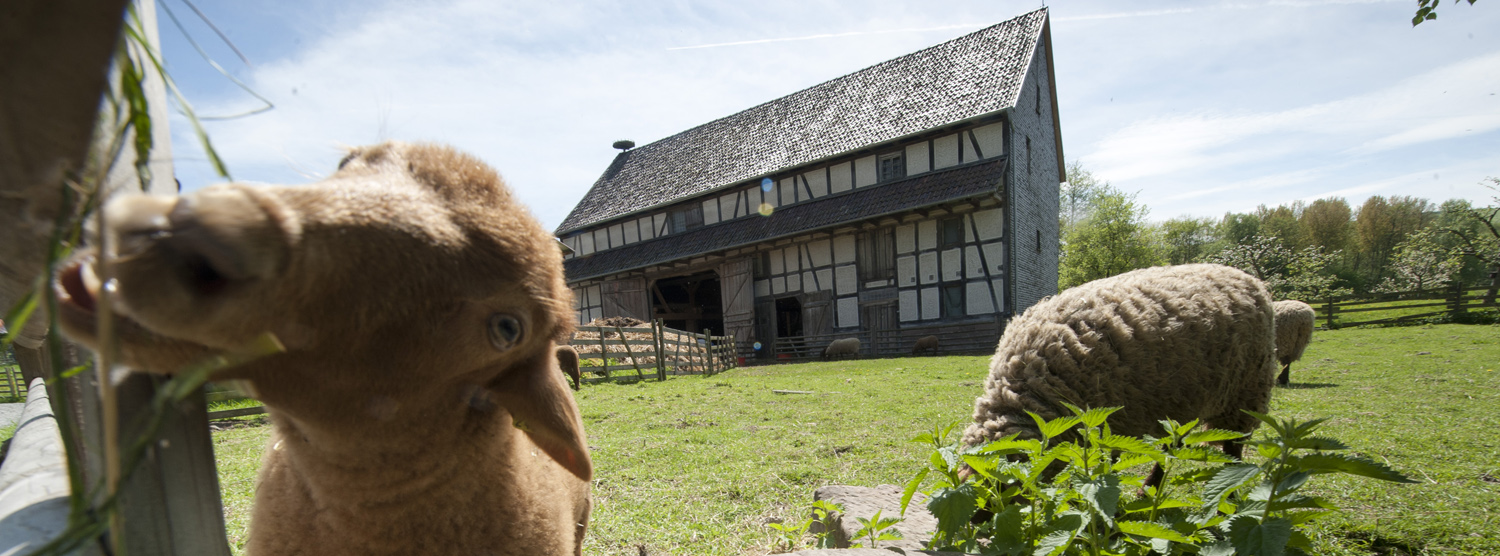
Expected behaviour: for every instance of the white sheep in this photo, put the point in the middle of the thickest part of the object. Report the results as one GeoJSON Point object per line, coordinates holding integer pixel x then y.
{"type": "Point", "coordinates": [418, 407]}
{"type": "Point", "coordinates": [1294, 327]}
{"type": "Point", "coordinates": [842, 347]}
{"type": "Point", "coordinates": [1182, 342]}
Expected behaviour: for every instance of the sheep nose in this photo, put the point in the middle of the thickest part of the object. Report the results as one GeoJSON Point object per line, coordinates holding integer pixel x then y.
{"type": "Point", "coordinates": [216, 236]}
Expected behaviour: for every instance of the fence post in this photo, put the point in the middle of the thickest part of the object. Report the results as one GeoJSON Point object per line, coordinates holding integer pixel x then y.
{"type": "Point", "coordinates": [1329, 312]}
{"type": "Point", "coordinates": [1456, 303]}
{"type": "Point", "coordinates": [625, 342]}
{"type": "Point", "coordinates": [657, 336]}
{"type": "Point", "coordinates": [603, 353]}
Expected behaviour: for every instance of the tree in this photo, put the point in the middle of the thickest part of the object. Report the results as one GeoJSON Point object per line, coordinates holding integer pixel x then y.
{"type": "Point", "coordinates": [1076, 196]}
{"type": "Point", "coordinates": [1287, 273]}
{"type": "Point", "coordinates": [1476, 232]}
{"type": "Point", "coordinates": [1380, 225]}
{"type": "Point", "coordinates": [1282, 222]}
{"type": "Point", "coordinates": [1427, 10]}
{"type": "Point", "coordinates": [1325, 223]}
{"type": "Point", "coordinates": [1421, 262]}
{"type": "Point", "coordinates": [1115, 238]}
{"type": "Point", "coordinates": [1183, 240]}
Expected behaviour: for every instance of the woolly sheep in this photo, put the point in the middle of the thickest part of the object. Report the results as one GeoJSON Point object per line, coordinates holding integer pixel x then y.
{"type": "Point", "coordinates": [842, 347]}
{"type": "Point", "coordinates": [1294, 326]}
{"type": "Point", "coordinates": [418, 406]}
{"type": "Point", "coordinates": [925, 343]}
{"type": "Point", "coordinates": [1182, 342]}
{"type": "Point", "coordinates": [567, 360]}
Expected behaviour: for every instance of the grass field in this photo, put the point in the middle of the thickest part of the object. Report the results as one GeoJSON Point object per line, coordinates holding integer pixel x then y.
{"type": "Point", "coordinates": [698, 465]}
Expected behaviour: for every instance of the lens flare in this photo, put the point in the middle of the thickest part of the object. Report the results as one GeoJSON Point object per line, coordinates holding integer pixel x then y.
{"type": "Point", "coordinates": [766, 184]}
{"type": "Point", "coordinates": [766, 209]}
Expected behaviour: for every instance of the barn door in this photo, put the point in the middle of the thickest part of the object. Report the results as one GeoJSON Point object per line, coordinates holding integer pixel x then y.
{"type": "Point", "coordinates": [765, 327]}
{"type": "Point", "coordinates": [626, 297]}
{"type": "Point", "coordinates": [817, 317]}
{"type": "Point", "coordinates": [738, 295]}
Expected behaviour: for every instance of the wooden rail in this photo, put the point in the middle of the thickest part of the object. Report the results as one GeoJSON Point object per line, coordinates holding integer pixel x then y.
{"type": "Point", "coordinates": [1453, 301]}
{"type": "Point", "coordinates": [616, 353]}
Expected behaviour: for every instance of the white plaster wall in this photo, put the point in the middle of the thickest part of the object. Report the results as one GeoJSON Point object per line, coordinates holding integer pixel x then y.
{"type": "Point", "coordinates": [825, 279]}
{"type": "Point", "coordinates": [645, 225]}
{"type": "Point", "coordinates": [999, 286]}
{"type": "Point", "coordinates": [927, 234]}
{"type": "Point", "coordinates": [927, 268]}
{"type": "Point", "coordinates": [994, 255]}
{"type": "Point", "coordinates": [794, 282]}
{"type": "Point", "coordinates": [817, 181]}
{"type": "Point", "coordinates": [991, 139]}
{"type": "Point", "coordinates": [843, 249]}
{"type": "Point", "coordinates": [585, 244]}
{"type": "Point", "coordinates": [616, 235]}
{"type": "Point", "coordinates": [916, 159]}
{"type": "Point", "coordinates": [839, 180]}
{"type": "Point", "coordinates": [977, 296]}
{"type": "Point", "coordinates": [952, 263]}
{"type": "Point", "coordinates": [929, 303]}
{"type": "Point", "coordinates": [991, 224]}
{"type": "Point", "coordinates": [726, 207]}
{"type": "Point", "coordinates": [632, 232]}
{"type": "Point", "coordinates": [594, 296]}
{"type": "Point", "coordinates": [906, 271]}
{"type": "Point", "coordinates": [778, 264]}
{"type": "Point", "coordinates": [771, 197]}
{"type": "Point", "coordinates": [972, 266]}
{"type": "Point", "coordinates": [787, 190]}
{"type": "Point", "coordinates": [906, 306]}
{"type": "Point", "coordinates": [821, 251]}
{"type": "Point", "coordinates": [945, 151]}
{"type": "Point", "coordinates": [793, 258]}
{"type": "Point", "coordinates": [848, 312]}
{"type": "Point", "coordinates": [864, 171]}
{"type": "Point", "coordinates": [601, 239]}
{"type": "Point", "coordinates": [906, 239]}
{"type": "Point", "coordinates": [711, 211]}
{"type": "Point", "coordinates": [659, 223]}
{"type": "Point", "coordinates": [762, 288]}
{"type": "Point", "coordinates": [810, 282]}
{"type": "Point", "coordinates": [846, 279]}
{"type": "Point", "coordinates": [778, 285]}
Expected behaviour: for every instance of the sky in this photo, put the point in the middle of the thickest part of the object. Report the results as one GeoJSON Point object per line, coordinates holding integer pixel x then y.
{"type": "Point", "coordinates": [1198, 108]}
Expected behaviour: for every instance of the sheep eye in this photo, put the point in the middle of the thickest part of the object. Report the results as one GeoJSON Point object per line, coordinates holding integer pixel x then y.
{"type": "Point", "coordinates": [505, 331]}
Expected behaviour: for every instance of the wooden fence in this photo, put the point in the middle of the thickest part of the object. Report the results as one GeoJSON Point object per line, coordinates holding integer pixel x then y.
{"type": "Point", "coordinates": [972, 337]}
{"type": "Point", "coordinates": [1453, 301]}
{"type": "Point", "coordinates": [12, 385]}
{"type": "Point", "coordinates": [621, 353]}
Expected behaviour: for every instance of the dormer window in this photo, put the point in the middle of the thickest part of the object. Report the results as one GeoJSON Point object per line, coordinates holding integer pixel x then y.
{"type": "Point", "coordinates": [892, 166]}
{"type": "Point", "coordinates": [687, 218]}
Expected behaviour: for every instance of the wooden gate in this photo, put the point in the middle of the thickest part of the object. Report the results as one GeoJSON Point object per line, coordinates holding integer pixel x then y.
{"type": "Point", "coordinates": [626, 297]}
{"type": "Point", "coordinates": [738, 298]}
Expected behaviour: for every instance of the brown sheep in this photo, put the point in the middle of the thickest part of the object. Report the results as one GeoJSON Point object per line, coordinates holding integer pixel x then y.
{"type": "Point", "coordinates": [567, 360]}
{"type": "Point", "coordinates": [1294, 326]}
{"type": "Point", "coordinates": [925, 343]}
{"type": "Point", "coordinates": [419, 405]}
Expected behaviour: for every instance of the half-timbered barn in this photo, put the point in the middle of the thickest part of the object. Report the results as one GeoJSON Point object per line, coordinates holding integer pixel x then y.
{"type": "Point", "coordinates": [914, 197]}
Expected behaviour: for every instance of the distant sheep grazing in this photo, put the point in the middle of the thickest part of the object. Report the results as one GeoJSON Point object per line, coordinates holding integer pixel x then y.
{"type": "Point", "coordinates": [1181, 342]}
{"type": "Point", "coordinates": [842, 347]}
{"type": "Point", "coordinates": [419, 406]}
{"type": "Point", "coordinates": [925, 343]}
{"type": "Point", "coordinates": [1294, 327]}
{"type": "Point", "coordinates": [567, 360]}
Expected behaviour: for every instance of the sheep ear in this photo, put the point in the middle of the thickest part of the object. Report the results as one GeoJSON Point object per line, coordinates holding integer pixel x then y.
{"type": "Point", "coordinates": [540, 404]}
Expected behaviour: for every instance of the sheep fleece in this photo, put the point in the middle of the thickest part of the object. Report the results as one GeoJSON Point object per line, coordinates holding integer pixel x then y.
{"type": "Point", "coordinates": [1182, 342]}
{"type": "Point", "coordinates": [1294, 326]}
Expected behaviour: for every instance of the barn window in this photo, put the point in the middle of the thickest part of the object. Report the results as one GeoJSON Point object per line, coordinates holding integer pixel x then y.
{"type": "Point", "coordinates": [953, 300]}
{"type": "Point", "coordinates": [688, 218]}
{"type": "Point", "coordinates": [877, 255]}
{"type": "Point", "coordinates": [951, 232]}
{"type": "Point", "coordinates": [892, 166]}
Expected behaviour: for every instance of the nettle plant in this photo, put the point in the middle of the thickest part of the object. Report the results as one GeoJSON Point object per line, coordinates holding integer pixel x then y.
{"type": "Point", "coordinates": [1066, 493]}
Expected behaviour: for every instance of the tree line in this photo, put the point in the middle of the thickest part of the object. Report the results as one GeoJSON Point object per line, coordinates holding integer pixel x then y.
{"type": "Point", "coordinates": [1302, 250]}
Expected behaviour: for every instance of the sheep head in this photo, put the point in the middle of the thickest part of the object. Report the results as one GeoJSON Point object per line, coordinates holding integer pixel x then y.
{"type": "Point", "coordinates": [410, 269]}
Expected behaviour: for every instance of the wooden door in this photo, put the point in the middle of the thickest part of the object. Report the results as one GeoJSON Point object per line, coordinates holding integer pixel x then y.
{"type": "Point", "coordinates": [738, 299]}
{"type": "Point", "coordinates": [626, 297]}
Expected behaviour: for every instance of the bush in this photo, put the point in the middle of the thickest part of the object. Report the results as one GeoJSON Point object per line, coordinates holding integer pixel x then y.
{"type": "Point", "coordinates": [1066, 493]}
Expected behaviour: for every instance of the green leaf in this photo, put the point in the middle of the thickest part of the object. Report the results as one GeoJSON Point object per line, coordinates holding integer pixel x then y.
{"type": "Point", "coordinates": [911, 488]}
{"type": "Point", "coordinates": [1299, 518]}
{"type": "Point", "coordinates": [1007, 534]}
{"type": "Point", "coordinates": [1009, 444]}
{"type": "Point", "coordinates": [1201, 453]}
{"type": "Point", "coordinates": [1293, 481]}
{"type": "Point", "coordinates": [17, 317]}
{"type": "Point", "coordinates": [924, 438]}
{"type": "Point", "coordinates": [1093, 417]}
{"type": "Point", "coordinates": [1131, 460]}
{"type": "Point", "coordinates": [1152, 530]}
{"type": "Point", "coordinates": [1317, 443]}
{"type": "Point", "coordinates": [953, 507]}
{"type": "Point", "coordinates": [1298, 502]}
{"type": "Point", "coordinates": [1212, 435]}
{"type": "Point", "coordinates": [1226, 479]}
{"type": "Point", "coordinates": [1054, 543]}
{"type": "Point", "coordinates": [1130, 445]}
{"type": "Point", "coordinates": [1102, 496]}
{"type": "Point", "coordinates": [1221, 548]}
{"type": "Point", "coordinates": [1266, 538]}
{"type": "Point", "coordinates": [1353, 465]}
{"type": "Point", "coordinates": [1054, 428]}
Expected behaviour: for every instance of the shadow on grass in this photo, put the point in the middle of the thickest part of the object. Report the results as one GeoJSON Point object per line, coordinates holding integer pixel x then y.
{"type": "Point", "coordinates": [1308, 385]}
{"type": "Point", "coordinates": [1383, 546]}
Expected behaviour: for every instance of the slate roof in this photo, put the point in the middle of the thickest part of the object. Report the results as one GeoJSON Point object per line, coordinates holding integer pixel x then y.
{"type": "Point", "coordinates": [961, 182]}
{"type": "Point", "coordinates": [970, 76]}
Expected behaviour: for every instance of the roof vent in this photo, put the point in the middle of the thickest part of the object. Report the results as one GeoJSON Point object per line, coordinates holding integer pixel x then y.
{"type": "Point", "coordinates": [624, 144]}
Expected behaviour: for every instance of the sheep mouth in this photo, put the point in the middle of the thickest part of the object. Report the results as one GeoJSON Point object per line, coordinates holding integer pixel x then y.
{"type": "Point", "coordinates": [77, 287]}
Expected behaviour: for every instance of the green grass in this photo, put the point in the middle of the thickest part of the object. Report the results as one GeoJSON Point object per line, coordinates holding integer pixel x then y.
{"type": "Point", "coordinates": [698, 465]}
